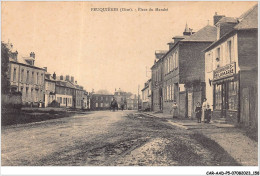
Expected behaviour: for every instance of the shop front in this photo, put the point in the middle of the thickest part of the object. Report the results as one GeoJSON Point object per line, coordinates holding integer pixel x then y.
{"type": "Point", "coordinates": [226, 93]}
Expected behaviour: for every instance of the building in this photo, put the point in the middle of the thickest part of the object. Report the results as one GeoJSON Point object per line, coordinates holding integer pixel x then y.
{"type": "Point", "coordinates": [146, 96]}
{"type": "Point", "coordinates": [120, 97]}
{"type": "Point", "coordinates": [132, 102]}
{"type": "Point", "coordinates": [49, 95]}
{"type": "Point", "coordinates": [100, 101]}
{"type": "Point", "coordinates": [232, 68]}
{"type": "Point", "coordinates": [78, 94]}
{"type": "Point", "coordinates": [178, 75]}
{"type": "Point", "coordinates": [27, 78]}
{"type": "Point", "coordinates": [157, 81]}
{"type": "Point", "coordinates": [65, 91]}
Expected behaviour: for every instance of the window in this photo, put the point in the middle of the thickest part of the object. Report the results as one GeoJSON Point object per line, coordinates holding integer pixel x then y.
{"type": "Point", "coordinates": [27, 77]}
{"type": "Point", "coordinates": [22, 75]}
{"type": "Point", "coordinates": [218, 56]}
{"type": "Point", "coordinates": [37, 78]}
{"type": "Point", "coordinates": [209, 62]}
{"type": "Point", "coordinates": [233, 95]}
{"type": "Point", "coordinates": [218, 96]}
{"type": "Point", "coordinates": [229, 52]}
{"type": "Point", "coordinates": [14, 75]}
{"type": "Point", "coordinates": [96, 105]}
{"type": "Point", "coordinates": [32, 77]}
{"type": "Point", "coordinates": [42, 80]}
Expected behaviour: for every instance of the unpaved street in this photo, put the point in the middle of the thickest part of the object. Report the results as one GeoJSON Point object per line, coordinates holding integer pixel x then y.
{"type": "Point", "coordinates": [110, 139]}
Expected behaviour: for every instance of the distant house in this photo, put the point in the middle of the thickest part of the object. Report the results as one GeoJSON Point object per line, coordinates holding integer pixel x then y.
{"type": "Point", "coordinates": [100, 101]}
{"type": "Point", "coordinates": [146, 96]}
{"type": "Point", "coordinates": [50, 82]}
{"type": "Point", "coordinates": [120, 97]}
{"type": "Point", "coordinates": [157, 81]}
{"type": "Point", "coordinates": [231, 69]}
{"type": "Point", "coordinates": [65, 91]}
{"type": "Point", "coordinates": [132, 102]}
{"type": "Point", "coordinates": [27, 78]}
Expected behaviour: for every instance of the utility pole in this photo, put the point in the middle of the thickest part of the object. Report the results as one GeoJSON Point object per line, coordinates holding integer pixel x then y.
{"type": "Point", "coordinates": [138, 98]}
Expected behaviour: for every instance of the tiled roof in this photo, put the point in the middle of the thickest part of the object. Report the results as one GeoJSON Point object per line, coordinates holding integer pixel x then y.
{"type": "Point", "coordinates": [248, 20]}
{"type": "Point", "coordinates": [227, 20]}
{"type": "Point", "coordinates": [206, 34]}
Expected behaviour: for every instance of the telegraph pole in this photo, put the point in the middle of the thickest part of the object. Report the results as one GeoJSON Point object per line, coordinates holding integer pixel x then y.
{"type": "Point", "coordinates": [138, 98]}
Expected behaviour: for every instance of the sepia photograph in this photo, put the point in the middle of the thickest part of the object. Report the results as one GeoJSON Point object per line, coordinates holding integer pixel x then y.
{"type": "Point", "coordinates": [136, 83]}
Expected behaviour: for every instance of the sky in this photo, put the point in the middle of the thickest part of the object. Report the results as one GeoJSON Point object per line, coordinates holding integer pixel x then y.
{"type": "Point", "coordinates": [104, 50]}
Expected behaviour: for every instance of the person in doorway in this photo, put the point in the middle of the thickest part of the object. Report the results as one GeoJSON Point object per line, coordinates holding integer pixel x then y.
{"type": "Point", "coordinates": [205, 105]}
{"type": "Point", "coordinates": [174, 109]}
{"type": "Point", "coordinates": [198, 112]}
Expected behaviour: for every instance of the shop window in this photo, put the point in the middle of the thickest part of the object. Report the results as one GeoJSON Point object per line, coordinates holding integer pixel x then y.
{"type": "Point", "coordinates": [233, 95]}
{"type": "Point", "coordinates": [218, 96]}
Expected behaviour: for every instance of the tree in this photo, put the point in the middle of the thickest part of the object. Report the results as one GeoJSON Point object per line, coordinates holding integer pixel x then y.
{"type": "Point", "coordinates": [5, 83]}
{"type": "Point", "coordinates": [103, 91]}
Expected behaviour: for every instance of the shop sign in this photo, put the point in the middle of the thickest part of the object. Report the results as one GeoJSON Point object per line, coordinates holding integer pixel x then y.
{"type": "Point", "coordinates": [224, 72]}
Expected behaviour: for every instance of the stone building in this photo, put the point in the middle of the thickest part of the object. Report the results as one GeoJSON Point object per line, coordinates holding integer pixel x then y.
{"type": "Point", "coordinates": [146, 96]}
{"type": "Point", "coordinates": [65, 91]}
{"type": "Point", "coordinates": [27, 78]}
{"type": "Point", "coordinates": [50, 82]}
{"type": "Point", "coordinates": [100, 101]}
{"type": "Point", "coordinates": [178, 76]}
{"type": "Point", "coordinates": [157, 81]}
{"type": "Point", "coordinates": [232, 68]}
{"type": "Point", "coordinates": [132, 102]}
{"type": "Point", "coordinates": [120, 97]}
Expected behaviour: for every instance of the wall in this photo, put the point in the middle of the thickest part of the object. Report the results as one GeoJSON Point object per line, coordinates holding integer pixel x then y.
{"type": "Point", "coordinates": [32, 89]}
{"type": "Point", "coordinates": [67, 98]}
{"type": "Point", "coordinates": [192, 61]}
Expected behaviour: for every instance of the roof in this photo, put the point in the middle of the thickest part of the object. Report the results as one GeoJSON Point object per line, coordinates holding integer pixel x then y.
{"type": "Point", "coordinates": [49, 77]}
{"type": "Point", "coordinates": [23, 62]}
{"type": "Point", "coordinates": [65, 84]}
{"type": "Point", "coordinates": [248, 20]}
{"type": "Point", "coordinates": [227, 20]}
{"type": "Point", "coordinates": [206, 34]}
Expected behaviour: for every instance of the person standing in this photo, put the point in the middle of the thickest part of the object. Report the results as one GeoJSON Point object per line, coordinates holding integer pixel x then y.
{"type": "Point", "coordinates": [204, 108]}
{"type": "Point", "coordinates": [174, 109]}
{"type": "Point", "coordinates": [198, 112]}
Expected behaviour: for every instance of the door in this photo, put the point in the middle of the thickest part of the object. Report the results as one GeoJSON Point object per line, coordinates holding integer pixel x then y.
{"type": "Point", "coordinates": [224, 100]}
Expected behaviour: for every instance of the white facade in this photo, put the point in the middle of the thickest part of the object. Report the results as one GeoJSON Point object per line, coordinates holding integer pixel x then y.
{"type": "Point", "coordinates": [223, 54]}
{"type": "Point", "coordinates": [64, 100]}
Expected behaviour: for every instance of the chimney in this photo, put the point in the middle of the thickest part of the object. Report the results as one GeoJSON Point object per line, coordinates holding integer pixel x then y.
{"type": "Point", "coordinates": [72, 79]}
{"type": "Point", "coordinates": [54, 76]}
{"type": "Point", "coordinates": [45, 68]}
{"type": "Point", "coordinates": [187, 30]}
{"type": "Point", "coordinates": [217, 17]}
{"type": "Point", "coordinates": [14, 55]}
{"type": "Point", "coordinates": [76, 82]}
{"type": "Point", "coordinates": [32, 54]}
{"type": "Point", "coordinates": [67, 78]}
{"type": "Point", "coordinates": [61, 77]}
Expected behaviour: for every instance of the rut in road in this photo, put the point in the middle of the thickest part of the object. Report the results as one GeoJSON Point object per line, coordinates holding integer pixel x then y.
{"type": "Point", "coordinates": [140, 140]}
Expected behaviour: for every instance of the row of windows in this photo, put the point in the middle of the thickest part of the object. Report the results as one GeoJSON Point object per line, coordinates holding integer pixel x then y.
{"type": "Point", "coordinates": [64, 100]}
{"type": "Point", "coordinates": [171, 63]}
{"type": "Point", "coordinates": [169, 91]}
{"type": "Point", "coordinates": [38, 78]}
{"type": "Point", "coordinates": [104, 98]}
{"type": "Point", "coordinates": [101, 105]}
{"type": "Point", "coordinates": [222, 55]}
